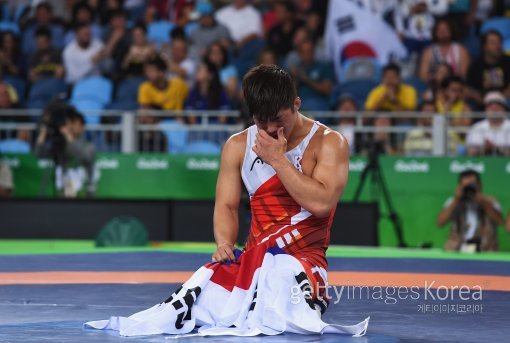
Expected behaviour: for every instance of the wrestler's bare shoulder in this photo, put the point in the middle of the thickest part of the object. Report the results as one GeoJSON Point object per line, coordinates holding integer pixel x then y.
{"type": "Point", "coordinates": [329, 140]}
{"type": "Point", "coordinates": [234, 147]}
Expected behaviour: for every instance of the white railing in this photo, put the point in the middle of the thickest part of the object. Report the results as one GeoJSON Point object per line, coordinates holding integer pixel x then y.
{"type": "Point", "coordinates": [121, 131]}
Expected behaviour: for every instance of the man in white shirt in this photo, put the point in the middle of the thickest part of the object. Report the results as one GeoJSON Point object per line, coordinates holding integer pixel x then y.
{"type": "Point", "coordinates": [82, 56]}
{"type": "Point", "coordinates": [491, 136]}
{"type": "Point", "coordinates": [242, 20]}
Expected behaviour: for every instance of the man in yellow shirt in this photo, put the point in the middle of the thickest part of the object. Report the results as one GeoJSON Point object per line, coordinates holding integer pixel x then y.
{"type": "Point", "coordinates": [391, 94]}
{"type": "Point", "coordinates": [160, 92]}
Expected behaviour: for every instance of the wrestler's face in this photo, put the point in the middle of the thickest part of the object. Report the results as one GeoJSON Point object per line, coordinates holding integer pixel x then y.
{"type": "Point", "coordinates": [286, 118]}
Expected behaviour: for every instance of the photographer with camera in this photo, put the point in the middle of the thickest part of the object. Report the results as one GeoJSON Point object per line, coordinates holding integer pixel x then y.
{"type": "Point", "coordinates": [474, 216]}
{"type": "Point", "coordinates": [61, 139]}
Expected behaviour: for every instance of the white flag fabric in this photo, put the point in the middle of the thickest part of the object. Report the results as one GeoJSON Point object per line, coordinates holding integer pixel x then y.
{"type": "Point", "coordinates": [265, 292]}
{"type": "Point", "coordinates": [353, 30]}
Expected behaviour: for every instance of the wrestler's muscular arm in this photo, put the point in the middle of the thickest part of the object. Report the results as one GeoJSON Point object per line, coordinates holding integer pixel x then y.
{"type": "Point", "coordinates": [320, 192]}
{"type": "Point", "coordinates": [228, 196]}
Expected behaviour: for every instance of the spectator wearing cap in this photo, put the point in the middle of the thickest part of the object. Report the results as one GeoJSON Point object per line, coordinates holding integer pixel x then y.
{"type": "Point", "coordinates": [208, 31]}
{"type": "Point", "coordinates": [491, 72]}
{"type": "Point", "coordinates": [82, 56]}
{"type": "Point", "coordinates": [46, 61]}
{"type": "Point", "coordinates": [491, 136]}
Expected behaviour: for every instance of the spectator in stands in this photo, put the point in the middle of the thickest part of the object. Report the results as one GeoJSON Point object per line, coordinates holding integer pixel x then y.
{"type": "Point", "coordinates": [8, 97]}
{"type": "Point", "coordinates": [10, 58]}
{"type": "Point", "coordinates": [6, 180]}
{"type": "Point", "coordinates": [414, 21]}
{"type": "Point", "coordinates": [140, 51]}
{"type": "Point", "coordinates": [491, 136]}
{"type": "Point", "coordinates": [43, 18]}
{"type": "Point", "coordinates": [117, 39]}
{"type": "Point", "coordinates": [267, 56]}
{"type": "Point", "coordinates": [217, 54]}
{"type": "Point", "coordinates": [177, 61]}
{"type": "Point", "coordinates": [242, 20]}
{"type": "Point", "coordinates": [151, 140]}
{"type": "Point", "coordinates": [279, 38]}
{"type": "Point", "coordinates": [82, 56]}
{"type": "Point", "coordinates": [391, 94]}
{"type": "Point", "coordinates": [491, 72]}
{"type": "Point", "coordinates": [46, 62]}
{"type": "Point", "coordinates": [444, 49]}
{"type": "Point", "coordinates": [314, 79]}
{"type": "Point", "coordinates": [301, 34]}
{"type": "Point", "coordinates": [347, 105]}
{"type": "Point", "coordinates": [107, 9]}
{"type": "Point", "coordinates": [450, 100]}
{"type": "Point", "coordinates": [83, 14]}
{"type": "Point", "coordinates": [461, 13]}
{"type": "Point", "coordinates": [443, 71]}
{"type": "Point", "coordinates": [75, 152]}
{"type": "Point", "coordinates": [244, 23]}
{"type": "Point", "coordinates": [208, 93]}
{"type": "Point", "coordinates": [474, 215]}
{"type": "Point", "coordinates": [418, 141]}
{"type": "Point", "coordinates": [159, 91]}
{"type": "Point", "coordinates": [208, 32]}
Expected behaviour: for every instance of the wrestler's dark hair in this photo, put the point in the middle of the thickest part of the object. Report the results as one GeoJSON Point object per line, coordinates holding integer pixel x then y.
{"type": "Point", "coordinates": [268, 89]}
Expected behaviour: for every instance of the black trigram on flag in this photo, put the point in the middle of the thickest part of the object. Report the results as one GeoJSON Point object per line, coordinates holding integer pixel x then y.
{"type": "Point", "coordinates": [345, 24]}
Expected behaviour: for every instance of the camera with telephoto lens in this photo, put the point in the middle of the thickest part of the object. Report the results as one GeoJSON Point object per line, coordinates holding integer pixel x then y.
{"type": "Point", "coordinates": [469, 191]}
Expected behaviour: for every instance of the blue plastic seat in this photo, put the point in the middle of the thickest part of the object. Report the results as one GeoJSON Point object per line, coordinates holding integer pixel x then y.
{"type": "Point", "coordinates": [9, 26]}
{"type": "Point", "coordinates": [361, 68]}
{"type": "Point", "coordinates": [358, 89]}
{"type": "Point", "coordinates": [14, 146]}
{"type": "Point", "coordinates": [44, 91]}
{"type": "Point", "coordinates": [176, 135]}
{"type": "Point", "coordinates": [159, 32]}
{"type": "Point", "coordinates": [89, 108]}
{"type": "Point", "coordinates": [506, 46]}
{"type": "Point", "coordinates": [128, 89]}
{"type": "Point", "coordinates": [94, 88]}
{"type": "Point", "coordinates": [418, 84]}
{"type": "Point", "coordinates": [500, 24]}
{"type": "Point", "coordinates": [203, 148]}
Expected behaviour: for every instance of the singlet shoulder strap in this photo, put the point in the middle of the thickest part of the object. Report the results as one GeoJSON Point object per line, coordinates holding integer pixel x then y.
{"type": "Point", "coordinates": [304, 143]}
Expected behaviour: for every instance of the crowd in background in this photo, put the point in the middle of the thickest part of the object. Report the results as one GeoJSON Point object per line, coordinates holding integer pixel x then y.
{"type": "Point", "coordinates": [184, 54]}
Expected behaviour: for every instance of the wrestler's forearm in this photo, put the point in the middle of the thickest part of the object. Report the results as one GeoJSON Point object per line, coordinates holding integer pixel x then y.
{"type": "Point", "coordinates": [226, 225]}
{"type": "Point", "coordinates": [311, 194]}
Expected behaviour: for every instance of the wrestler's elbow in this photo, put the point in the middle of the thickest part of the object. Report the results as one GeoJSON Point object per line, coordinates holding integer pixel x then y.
{"type": "Point", "coordinates": [320, 210]}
